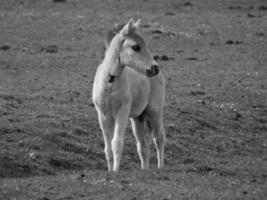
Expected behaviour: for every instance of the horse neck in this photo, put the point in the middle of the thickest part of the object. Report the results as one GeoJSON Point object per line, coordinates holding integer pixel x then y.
{"type": "Point", "coordinates": [111, 63]}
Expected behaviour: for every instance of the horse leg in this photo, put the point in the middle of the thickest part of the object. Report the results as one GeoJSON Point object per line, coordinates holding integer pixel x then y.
{"type": "Point", "coordinates": [138, 125]}
{"type": "Point", "coordinates": [156, 124]}
{"type": "Point", "coordinates": [119, 131]}
{"type": "Point", "coordinates": [107, 127]}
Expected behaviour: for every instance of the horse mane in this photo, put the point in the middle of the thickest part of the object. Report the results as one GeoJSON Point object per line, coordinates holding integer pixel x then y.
{"type": "Point", "coordinates": [110, 35]}
{"type": "Point", "coordinates": [112, 32]}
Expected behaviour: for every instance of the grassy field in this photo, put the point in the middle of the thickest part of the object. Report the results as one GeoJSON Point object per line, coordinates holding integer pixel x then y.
{"type": "Point", "coordinates": [214, 57]}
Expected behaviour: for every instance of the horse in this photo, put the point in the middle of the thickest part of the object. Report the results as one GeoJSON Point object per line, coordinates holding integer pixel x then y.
{"type": "Point", "coordinates": [129, 84]}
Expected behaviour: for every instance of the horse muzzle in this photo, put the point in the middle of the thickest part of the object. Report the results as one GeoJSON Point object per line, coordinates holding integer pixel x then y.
{"type": "Point", "coordinates": [153, 71]}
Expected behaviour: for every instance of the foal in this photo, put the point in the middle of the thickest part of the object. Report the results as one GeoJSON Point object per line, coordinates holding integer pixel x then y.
{"type": "Point", "coordinates": [128, 84]}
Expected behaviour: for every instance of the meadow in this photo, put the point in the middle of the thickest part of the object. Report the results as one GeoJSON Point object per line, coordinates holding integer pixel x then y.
{"type": "Point", "coordinates": [213, 55]}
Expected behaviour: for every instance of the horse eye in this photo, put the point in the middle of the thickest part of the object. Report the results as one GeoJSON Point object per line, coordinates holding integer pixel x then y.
{"type": "Point", "coordinates": [136, 48]}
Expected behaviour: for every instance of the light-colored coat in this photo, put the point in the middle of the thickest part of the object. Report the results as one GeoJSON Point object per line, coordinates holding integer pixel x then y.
{"type": "Point", "coordinates": [129, 84]}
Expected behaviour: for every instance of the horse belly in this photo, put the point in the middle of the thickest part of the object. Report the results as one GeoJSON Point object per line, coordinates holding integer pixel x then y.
{"type": "Point", "coordinates": [138, 107]}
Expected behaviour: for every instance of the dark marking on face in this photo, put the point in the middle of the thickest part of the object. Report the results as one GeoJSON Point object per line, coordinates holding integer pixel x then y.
{"type": "Point", "coordinates": [135, 36]}
{"type": "Point", "coordinates": [136, 48]}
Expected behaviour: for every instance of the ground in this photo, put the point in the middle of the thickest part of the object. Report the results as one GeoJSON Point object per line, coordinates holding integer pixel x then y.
{"type": "Point", "coordinates": [214, 57]}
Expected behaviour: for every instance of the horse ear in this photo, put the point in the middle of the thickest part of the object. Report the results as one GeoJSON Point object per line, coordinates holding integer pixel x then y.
{"type": "Point", "coordinates": [127, 28]}
{"type": "Point", "coordinates": [137, 24]}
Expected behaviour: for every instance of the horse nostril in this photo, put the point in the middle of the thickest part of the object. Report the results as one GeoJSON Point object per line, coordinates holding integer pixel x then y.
{"type": "Point", "coordinates": [155, 69]}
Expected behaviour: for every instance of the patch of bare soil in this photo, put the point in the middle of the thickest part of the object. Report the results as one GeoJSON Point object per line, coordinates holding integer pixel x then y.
{"type": "Point", "coordinates": [213, 55]}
